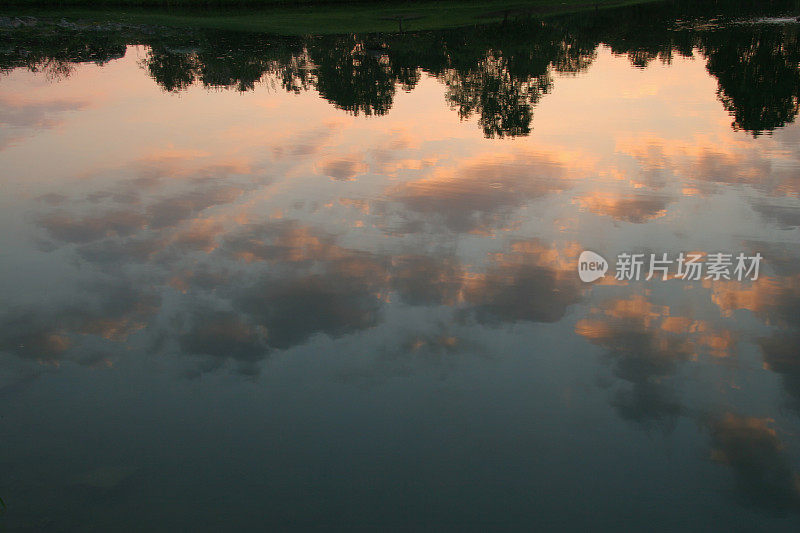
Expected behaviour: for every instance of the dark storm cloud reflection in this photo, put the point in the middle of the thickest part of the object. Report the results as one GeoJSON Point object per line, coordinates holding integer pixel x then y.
{"type": "Point", "coordinates": [782, 216]}
{"type": "Point", "coordinates": [646, 346]}
{"type": "Point", "coordinates": [343, 168]}
{"type": "Point", "coordinates": [136, 223]}
{"type": "Point", "coordinates": [782, 356]}
{"type": "Point", "coordinates": [164, 213]}
{"type": "Point", "coordinates": [635, 208]}
{"type": "Point", "coordinates": [106, 314]}
{"type": "Point", "coordinates": [427, 279]}
{"type": "Point", "coordinates": [643, 355]}
{"type": "Point", "coordinates": [292, 310]}
{"type": "Point", "coordinates": [312, 285]}
{"type": "Point", "coordinates": [68, 228]}
{"type": "Point", "coordinates": [218, 336]}
{"type": "Point", "coordinates": [530, 283]}
{"type": "Point", "coordinates": [477, 197]}
{"type": "Point", "coordinates": [762, 470]}
{"type": "Point", "coordinates": [778, 304]}
{"type": "Point", "coordinates": [338, 290]}
{"type": "Point", "coordinates": [255, 289]}
{"type": "Point", "coordinates": [775, 300]}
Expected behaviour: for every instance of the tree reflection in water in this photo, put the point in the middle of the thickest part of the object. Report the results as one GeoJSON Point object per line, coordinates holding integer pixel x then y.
{"type": "Point", "coordinates": [495, 73]}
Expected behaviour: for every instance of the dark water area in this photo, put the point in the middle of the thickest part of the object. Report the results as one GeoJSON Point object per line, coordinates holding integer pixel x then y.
{"type": "Point", "coordinates": [253, 282]}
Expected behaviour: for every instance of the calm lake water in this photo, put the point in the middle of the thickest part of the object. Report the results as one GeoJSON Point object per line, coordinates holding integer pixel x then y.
{"type": "Point", "coordinates": [262, 283]}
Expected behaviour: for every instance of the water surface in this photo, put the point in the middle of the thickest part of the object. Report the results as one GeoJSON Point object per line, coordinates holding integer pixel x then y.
{"type": "Point", "coordinates": [252, 282]}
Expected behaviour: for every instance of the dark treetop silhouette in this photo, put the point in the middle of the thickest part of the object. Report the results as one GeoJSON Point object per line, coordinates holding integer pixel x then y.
{"type": "Point", "coordinates": [496, 73]}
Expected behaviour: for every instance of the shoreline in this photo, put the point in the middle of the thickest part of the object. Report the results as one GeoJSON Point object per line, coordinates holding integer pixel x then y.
{"type": "Point", "coordinates": [308, 18]}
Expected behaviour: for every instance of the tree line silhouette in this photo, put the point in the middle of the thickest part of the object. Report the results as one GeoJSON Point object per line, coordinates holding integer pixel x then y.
{"type": "Point", "coordinates": [497, 73]}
